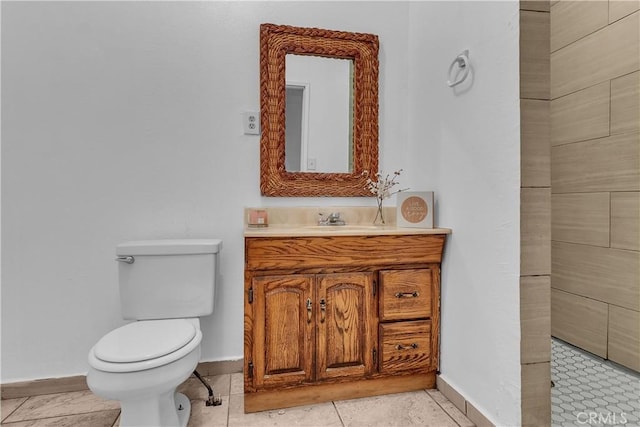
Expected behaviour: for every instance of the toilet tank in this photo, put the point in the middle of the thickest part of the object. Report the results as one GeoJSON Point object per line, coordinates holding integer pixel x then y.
{"type": "Point", "coordinates": [165, 279]}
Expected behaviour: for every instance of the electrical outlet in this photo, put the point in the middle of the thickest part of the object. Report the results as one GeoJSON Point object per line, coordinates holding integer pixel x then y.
{"type": "Point", "coordinates": [311, 164]}
{"type": "Point", "coordinates": [251, 123]}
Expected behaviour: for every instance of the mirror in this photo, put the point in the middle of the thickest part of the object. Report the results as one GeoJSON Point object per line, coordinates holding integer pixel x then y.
{"type": "Point", "coordinates": [318, 91]}
{"type": "Point", "coordinates": [319, 111]}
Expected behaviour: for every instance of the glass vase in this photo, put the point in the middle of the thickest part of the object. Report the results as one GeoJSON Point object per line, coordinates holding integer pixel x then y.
{"type": "Point", "coordinates": [379, 219]}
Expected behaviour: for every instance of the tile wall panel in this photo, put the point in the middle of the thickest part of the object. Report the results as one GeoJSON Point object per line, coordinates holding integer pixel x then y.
{"type": "Point", "coordinates": [581, 115]}
{"type": "Point", "coordinates": [535, 382]}
{"type": "Point", "coordinates": [606, 164]}
{"type": "Point", "coordinates": [534, 55]}
{"type": "Point", "coordinates": [625, 104]}
{"type": "Point", "coordinates": [572, 20]}
{"type": "Point", "coordinates": [624, 336]}
{"type": "Point", "coordinates": [625, 220]}
{"type": "Point", "coordinates": [535, 167]}
{"type": "Point", "coordinates": [535, 319]}
{"type": "Point", "coordinates": [606, 54]}
{"type": "Point", "coordinates": [535, 231]}
{"type": "Point", "coordinates": [605, 274]}
{"type": "Point", "coordinates": [620, 8]}
{"type": "Point", "coordinates": [535, 5]}
{"type": "Point", "coordinates": [580, 321]}
{"type": "Point", "coordinates": [581, 218]}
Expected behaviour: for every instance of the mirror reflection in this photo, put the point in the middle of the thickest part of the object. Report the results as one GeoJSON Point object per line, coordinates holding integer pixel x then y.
{"type": "Point", "coordinates": [319, 114]}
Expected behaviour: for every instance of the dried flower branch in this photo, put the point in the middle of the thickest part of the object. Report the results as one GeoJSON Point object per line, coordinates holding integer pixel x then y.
{"type": "Point", "coordinates": [383, 189]}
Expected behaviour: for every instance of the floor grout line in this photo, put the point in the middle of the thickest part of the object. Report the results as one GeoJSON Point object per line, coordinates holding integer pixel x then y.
{"type": "Point", "coordinates": [443, 409]}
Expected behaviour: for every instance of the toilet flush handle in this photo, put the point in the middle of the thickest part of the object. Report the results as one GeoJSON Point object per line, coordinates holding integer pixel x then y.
{"type": "Point", "coordinates": [127, 259]}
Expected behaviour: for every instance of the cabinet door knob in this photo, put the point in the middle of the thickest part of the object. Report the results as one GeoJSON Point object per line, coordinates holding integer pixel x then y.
{"type": "Point", "coordinates": [309, 310]}
{"type": "Point", "coordinates": [406, 347]}
{"type": "Point", "coordinates": [323, 310]}
{"type": "Point", "coordinates": [414, 294]}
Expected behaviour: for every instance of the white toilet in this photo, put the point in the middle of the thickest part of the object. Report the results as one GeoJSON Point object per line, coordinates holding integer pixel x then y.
{"type": "Point", "coordinates": [165, 286]}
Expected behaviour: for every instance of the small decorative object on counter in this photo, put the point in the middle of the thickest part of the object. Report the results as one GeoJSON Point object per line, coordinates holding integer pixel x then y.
{"type": "Point", "coordinates": [415, 209]}
{"type": "Point", "coordinates": [257, 218]}
{"type": "Point", "coordinates": [383, 189]}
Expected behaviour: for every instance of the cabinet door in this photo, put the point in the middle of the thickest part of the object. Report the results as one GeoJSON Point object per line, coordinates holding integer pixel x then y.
{"type": "Point", "coordinates": [346, 325]}
{"type": "Point", "coordinates": [283, 330]}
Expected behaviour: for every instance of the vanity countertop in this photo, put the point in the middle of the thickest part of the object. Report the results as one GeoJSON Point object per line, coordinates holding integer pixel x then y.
{"type": "Point", "coordinates": [302, 221]}
{"type": "Point", "coordinates": [302, 230]}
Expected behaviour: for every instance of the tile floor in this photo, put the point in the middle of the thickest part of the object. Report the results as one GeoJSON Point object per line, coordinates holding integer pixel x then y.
{"type": "Point", "coordinates": [83, 409]}
{"type": "Point", "coordinates": [591, 391]}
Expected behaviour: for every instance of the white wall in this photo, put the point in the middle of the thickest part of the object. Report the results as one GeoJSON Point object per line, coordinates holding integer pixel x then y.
{"type": "Point", "coordinates": [465, 145]}
{"type": "Point", "coordinates": [123, 121]}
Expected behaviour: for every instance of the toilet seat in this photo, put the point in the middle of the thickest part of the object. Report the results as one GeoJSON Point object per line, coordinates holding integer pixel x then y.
{"type": "Point", "coordinates": [144, 345]}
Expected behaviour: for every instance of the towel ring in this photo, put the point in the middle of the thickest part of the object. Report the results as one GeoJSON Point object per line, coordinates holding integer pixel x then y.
{"type": "Point", "coordinates": [462, 61]}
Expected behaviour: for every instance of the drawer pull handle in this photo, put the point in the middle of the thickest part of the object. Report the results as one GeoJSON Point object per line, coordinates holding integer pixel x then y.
{"type": "Point", "coordinates": [309, 309]}
{"type": "Point", "coordinates": [323, 310]}
{"type": "Point", "coordinates": [407, 294]}
{"type": "Point", "coordinates": [406, 347]}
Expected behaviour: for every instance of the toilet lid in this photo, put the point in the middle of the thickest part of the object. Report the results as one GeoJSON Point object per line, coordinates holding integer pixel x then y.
{"type": "Point", "coordinates": [144, 340]}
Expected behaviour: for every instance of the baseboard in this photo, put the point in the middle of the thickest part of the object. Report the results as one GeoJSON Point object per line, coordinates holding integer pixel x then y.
{"type": "Point", "coordinates": [79, 382]}
{"type": "Point", "coordinates": [471, 412]}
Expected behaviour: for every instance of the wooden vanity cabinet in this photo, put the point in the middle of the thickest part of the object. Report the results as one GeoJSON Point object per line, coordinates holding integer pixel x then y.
{"type": "Point", "coordinates": [337, 317]}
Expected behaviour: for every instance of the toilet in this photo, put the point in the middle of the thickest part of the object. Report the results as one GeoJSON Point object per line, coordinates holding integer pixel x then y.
{"type": "Point", "coordinates": [165, 287]}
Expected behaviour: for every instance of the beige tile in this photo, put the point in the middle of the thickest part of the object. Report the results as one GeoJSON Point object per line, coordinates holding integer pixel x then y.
{"type": "Point", "coordinates": [572, 20]}
{"type": "Point", "coordinates": [534, 55]}
{"type": "Point", "coordinates": [535, 319]}
{"type": "Point", "coordinates": [535, 148]}
{"type": "Point", "coordinates": [620, 8]}
{"type": "Point", "coordinates": [535, 231]}
{"type": "Point", "coordinates": [579, 321]}
{"type": "Point", "coordinates": [323, 414]}
{"type": "Point", "coordinates": [580, 218]}
{"type": "Point", "coordinates": [92, 419]}
{"type": "Point", "coordinates": [606, 164]}
{"type": "Point", "coordinates": [606, 54]}
{"type": "Point", "coordinates": [624, 337]}
{"type": "Point", "coordinates": [535, 5]}
{"type": "Point", "coordinates": [477, 417]}
{"type": "Point", "coordinates": [625, 103]}
{"type": "Point", "coordinates": [194, 389]}
{"type": "Point", "coordinates": [401, 409]}
{"type": "Point", "coordinates": [625, 220]}
{"type": "Point", "coordinates": [60, 404]}
{"type": "Point", "coordinates": [10, 405]}
{"type": "Point", "coordinates": [237, 383]}
{"type": "Point", "coordinates": [603, 274]}
{"type": "Point", "coordinates": [581, 115]}
{"type": "Point", "coordinates": [451, 394]}
{"type": "Point", "coordinates": [209, 416]}
{"type": "Point", "coordinates": [536, 394]}
{"type": "Point", "coordinates": [457, 415]}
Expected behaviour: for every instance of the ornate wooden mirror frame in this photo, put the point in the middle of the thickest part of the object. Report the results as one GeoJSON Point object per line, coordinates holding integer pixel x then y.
{"type": "Point", "coordinates": [275, 42]}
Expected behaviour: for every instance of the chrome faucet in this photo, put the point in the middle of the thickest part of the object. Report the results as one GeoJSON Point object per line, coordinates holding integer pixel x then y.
{"type": "Point", "coordinates": [332, 219]}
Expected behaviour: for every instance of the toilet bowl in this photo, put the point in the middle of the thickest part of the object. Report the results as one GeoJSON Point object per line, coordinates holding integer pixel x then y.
{"type": "Point", "coordinates": [165, 286]}
{"type": "Point", "coordinates": [141, 365]}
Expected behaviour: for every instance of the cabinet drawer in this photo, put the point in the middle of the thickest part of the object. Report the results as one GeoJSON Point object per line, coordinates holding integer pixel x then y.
{"type": "Point", "coordinates": [341, 251]}
{"type": "Point", "coordinates": [405, 294]}
{"type": "Point", "coordinates": [405, 346]}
